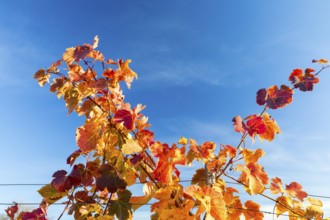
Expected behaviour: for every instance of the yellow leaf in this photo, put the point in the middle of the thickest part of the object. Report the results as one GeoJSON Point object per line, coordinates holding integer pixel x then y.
{"type": "Point", "coordinates": [183, 141]}
{"type": "Point", "coordinates": [131, 147]}
{"type": "Point", "coordinates": [42, 77]}
{"type": "Point", "coordinates": [50, 194]}
{"type": "Point", "coordinates": [251, 156]}
{"type": "Point", "coordinates": [284, 204]}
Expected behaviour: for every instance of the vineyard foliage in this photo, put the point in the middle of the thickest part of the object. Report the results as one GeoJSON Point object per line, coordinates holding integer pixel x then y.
{"type": "Point", "coordinates": [120, 151]}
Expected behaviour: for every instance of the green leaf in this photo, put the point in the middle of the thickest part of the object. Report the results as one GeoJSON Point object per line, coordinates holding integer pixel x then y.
{"type": "Point", "coordinates": [122, 208]}
{"type": "Point", "coordinates": [50, 194]}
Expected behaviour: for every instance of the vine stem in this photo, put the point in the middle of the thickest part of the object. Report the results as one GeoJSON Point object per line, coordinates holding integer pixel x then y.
{"type": "Point", "coordinates": [108, 203]}
{"type": "Point", "coordinates": [262, 194]}
{"type": "Point", "coordinates": [67, 205]}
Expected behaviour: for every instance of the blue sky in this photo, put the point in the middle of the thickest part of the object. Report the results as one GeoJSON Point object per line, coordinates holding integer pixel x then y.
{"type": "Point", "coordinates": [199, 65]}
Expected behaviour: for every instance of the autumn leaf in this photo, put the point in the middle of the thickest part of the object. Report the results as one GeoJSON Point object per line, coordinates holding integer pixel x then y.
{"type": "Point", "coordinates": [271, 128]}
{"type": "Point", "coordinates": [121, 207]}
{"type": "Point", "coordinates": [233, 203]}
{"type": "Point", "coordinates": [72, 99]}
{"type": "Point", "coordinates": [294, 189]}
{"type": "Point", "coordinates": [11, 211]}
{"type": "Point", "coordinates": [87, 136]}
{"type": "Point", "coordinates": [305, 82]}
{"type": "Point", "coordinates": [42, 77]}
{"type": "Point", "coordinates": [124, 116]}
{"type": "Point", "coordinates": [204, 152]}
{"type": "Point", "coordinates": [252, 156]}
{"type": "Point", "coordinates": [275, 98]}
{"type": "Point", "coordinates": [50, 194]}
{"type": "Point", "coordinates": [211, 199]}
{"type": "Point", "coordinates": [252, 211]}
{"type": "Point", "coordinates": [253, 176]}
{"type": "Point", "coordinates": [126, 72]}
{"type": "Point", "coordinates": [131, 147]}
{"type": "Point", "coordinates": [183, 141]}
{"type": "Point", "coordinates": [109, 179]}
{"type": "Point", "coordinates": [255, 125]}
{"type": "Point", "coordinates": [284, 204]}
{"type": "Point", "coordinates": [199, 177]}
{"type": "Point", "coordinates": [61, 182]}
{"type": "Point", "coordinates": [276, 186]}
{"type": "Point", "coordinates": [320, 61]}
{"type": "Point", "coordinates": [314, 210]}
{"type": "Point", "coordinates": [239, 125]}
{"type": "Point", "coordinates": [72, 158]}
{"type": "Point", "coordinates": [77, 174]}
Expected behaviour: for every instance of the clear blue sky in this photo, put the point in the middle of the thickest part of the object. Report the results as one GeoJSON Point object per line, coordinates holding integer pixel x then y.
{"type": "Point", "coordinates": [200, 64]}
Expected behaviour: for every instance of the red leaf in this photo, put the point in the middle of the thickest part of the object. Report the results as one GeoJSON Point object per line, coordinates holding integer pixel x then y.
{"type": "Point", "coordinates": [304, 82]}
{"type": "Point", "coordinates": [261, 96]}
{"type": "Point", "coordinates": [126, 117]}
{"type": "Point", "coordinates": [60, 182]}
{"type": "Point", "coordinates": [294, 189]}
{"type": "Point", "coordinates": [255, 125]}
{"type": "Point", "coordinates": [72, 158]}
{"type": "Point", "coordinates": [76, 174]}
{"type": "Point", "coordinates": [278, 98]}
{"type": "Point", "coordinates": [11, 211]}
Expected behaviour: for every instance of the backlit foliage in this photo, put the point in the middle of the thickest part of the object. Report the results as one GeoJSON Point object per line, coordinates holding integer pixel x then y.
{"type": "Point", "coordinates": [120, 151]}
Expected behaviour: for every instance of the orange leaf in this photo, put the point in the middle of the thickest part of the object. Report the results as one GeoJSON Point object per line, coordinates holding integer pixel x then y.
{"type": "Point", "coordinates": [42, 77]}
{"type": "Point", "coordinates": [271, 128]}
{"type": "Point", "coordinates": [276, 186]}
{"type": "Point", "coordinates": [211, 199]}
{"type": "Point", "coordinates": [251, 156]}
{"type": "Point", "coordinates": [253, 177]}
{"type": "Point", "coordinates": [253, 211]}
{"type": "Point", "coordinates": [284, 204]}
{"type": "Point", "coordinates": [87, 136]}
{"type": "Point", "coordinates": [294, 190]}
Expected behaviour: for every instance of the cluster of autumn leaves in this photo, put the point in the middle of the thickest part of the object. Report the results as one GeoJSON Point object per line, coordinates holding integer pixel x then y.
{"type": "Point", "coordinates": [120, 151]}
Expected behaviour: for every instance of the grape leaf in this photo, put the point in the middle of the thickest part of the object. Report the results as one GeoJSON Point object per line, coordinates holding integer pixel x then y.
{"type": "Point", "coordinates": [251, 156]}
{"type": "Point", "coordinates": [126, 117]}
{"type": "Point", "coordinates": [42, 77]}
{"type": "Point", "coordinates": [61, 182]}
{"type": "Point", "coordinates": [255, 125]}
{"type": "Point", "coordinates": [305, 82]}
{"type": "Point", "coordinates": [77, 174]}
{"type": "Point", "coordinates": [239, 125]}
{"type": "Point", "coordinates": [131, 147]}
{"type": "Point", "coordinates": [276, 186]}
{"type": "Point", "coordinates": [294, 189]}
{"type": "Point", "coordinates": [271, 128]}
{"type": "Point", "coordinates": [109, 179]}
{"type": "Point", "coordinates": [121, 207]}
{"type": "Point", "coordinates": [51, 194]}
{"type": "Point", "coordinates": [72, 158]}
{"type": "Point", "coordinates": [275, 98]}
{"type": "Point", "coordinates": [253, 211]}
{"type": "Point", "coordinates": [11, 211]}
{"type": "Point", "coordinates": [211, 199]}
{"type": "Point", "coordinates": [253, 176]}
{"type": "Point", "coordinates": [87, 136]}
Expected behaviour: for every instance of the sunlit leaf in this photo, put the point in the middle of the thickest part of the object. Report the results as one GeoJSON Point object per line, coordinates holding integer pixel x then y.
{"type": "Point", "coordinates": [252, 211]}
{"type": "Point", "coordinates": [50, 194]}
